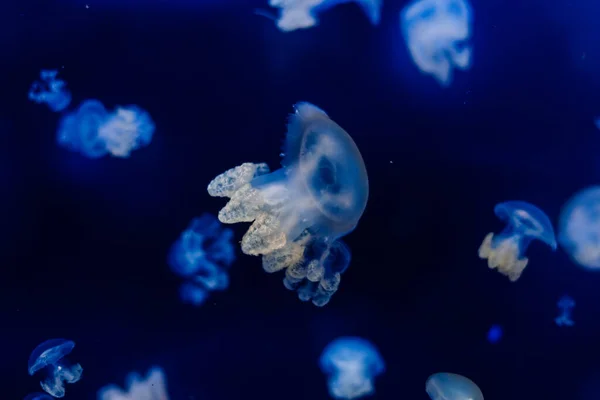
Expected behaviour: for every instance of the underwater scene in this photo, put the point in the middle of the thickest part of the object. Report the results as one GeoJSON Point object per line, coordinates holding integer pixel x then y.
{"type": "Point", "coordinates": [300, 199]}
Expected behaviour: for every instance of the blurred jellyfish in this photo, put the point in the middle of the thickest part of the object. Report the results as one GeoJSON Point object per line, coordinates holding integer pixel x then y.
{"type": "Point", "coordinates": [436, 33]}
{"type": "Point", "coordinates": [506, 250]}
{"type": "Point", "coordinates": [565, 305]}
{"type": "Point", "coordinates": [351, 364]}
{"type": "Point", "coordinates": [50, 90]}
{"type": "Point", "coordinates": [50, 358]}
{"type": "Point", "coordinates": [154, 387]}
{"type": "Point", "coordinates": [448, 386]}
{"type": "Point", "coordinates": [202, 255]}
{"type": "Point", "coordinates": [494, 334]}
{"type": "Point", "coordinates": [38, 396]}
{"type": "Point", "coordinates": [579, 228]}
{"type": "Point", "coordinates": [93, 132]}
{"type": "Point", "coordinates": [302, 14]}
{"type": "Point", "coordinates": [301, 210]}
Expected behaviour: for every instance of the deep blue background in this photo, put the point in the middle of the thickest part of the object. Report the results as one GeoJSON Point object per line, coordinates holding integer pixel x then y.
{"type": "Point", "coordinates": [84, 243]}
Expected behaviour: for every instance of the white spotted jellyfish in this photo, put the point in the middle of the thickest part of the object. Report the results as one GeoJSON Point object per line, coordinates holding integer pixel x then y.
{"type": "Point", "coordinates": [49, 357]}
{"type": "Point", "coordinates": [448, 386]}
{"type": "Point", "coordinates": [506, 250]}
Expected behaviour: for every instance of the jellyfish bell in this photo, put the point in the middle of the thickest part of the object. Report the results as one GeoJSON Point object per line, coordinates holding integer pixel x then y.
{"type": "Point", "coordinates": [449, 386]}
{"type": "Point", "coordinates": [49, 353]}
{"type": "Point", "coordinates": [527, 220]}
{"type": "Point", "coordinates": [50, 357]}
{"type": "Point", "coordinates": [38, 396]}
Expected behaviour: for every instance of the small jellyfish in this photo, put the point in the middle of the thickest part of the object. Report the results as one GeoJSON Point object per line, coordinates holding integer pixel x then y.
{"type": "Point", "coordinates": [50, 90]}
{"type": "Point", "coordinates": [494, 334]}
{"type": "Point", "coordinates": [436, 33]}
{"type": "Point", "coordinates": [202, 256]}
{"type": "Point", "coordinates": [565, 305]}
{"type": "Point", "coordinates": [154, 387]}
{"type": "Point", "coordinates": [506, 250]}
{"type": "Point", "coordinates": [301, 14]}
{"type": "Point", "coordinates": [50, 357]}
{"type": "Point", "coordinates": [351, 364]}
{"type": "Point", "coordinates": [94, 132]}
{"type": "Point", "coordinates": [300, 211]}
{"type": "Point", "coordinates": [579, 228]}
{"type": "Point", "coordinates": [448, 386]}
{"type": "Point", "coordinates": [38, 396]}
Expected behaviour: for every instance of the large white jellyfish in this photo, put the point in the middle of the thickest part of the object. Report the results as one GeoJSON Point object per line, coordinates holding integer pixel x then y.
{"type": "Point", "coordinates": [351, 363]}
{"type": "Point", "coordinates": [579, 228]}
{"type": "Point", "coordinates": [436, 33]}
{"type": "Point", "coordinates": [301, 210]}
{"type": "Point", "coordinates": [524, 222]}
{"type": "Point", "coordinates": [448, 386]}
{"type": "Point", "coordinates": [154, 387]}
{"type": "Point", "coordinates": [301, 14]}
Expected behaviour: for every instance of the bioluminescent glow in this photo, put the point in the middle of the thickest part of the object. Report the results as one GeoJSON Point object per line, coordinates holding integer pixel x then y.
{"type": "Point", "coordinates": [579, 228]}
{"type": "Point", "coordinates": [436, 33]}
{"type": "Point", "coordinates": [302, 14]}
{"type": "Point", "coordinates": [565, 306]}
{"type": "Point", "coordinates": [94, 132]}
{"type": "Point", "coordinates": [50, 358]}
{"type": "Point", "coordinates": [351, 365]}
{"type": "Point", "coordinates": [50, 90]}
{"type": "Point", "coordinates": [154, 387]}
{"type": "Point", "coordinates": [494, 334]}
{"type": "Point", "coordinates": [38, 396]}
{"type": "Point", "coordinates": [524, 222]}
{"type": "Point", "coordinates": [448, 386]}
{"type": "Point", "coordinates": [202, 255]}
{"type": "Point", "coordinates": [300, 211]}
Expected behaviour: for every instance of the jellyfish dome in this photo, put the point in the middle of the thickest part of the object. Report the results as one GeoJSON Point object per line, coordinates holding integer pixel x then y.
{"type": "Point", "coordinates": [38, 396]}
{"type": "Point", "coordinates": [579, 228]}
{"type": "Point", "coordinates": [524, 222]}
{"type": "Point", "coordinates": [50, 357]}
{"type": "Point", "coordinates": [300, 211]}
{"type": "Point", "coordinates": [448, 386]}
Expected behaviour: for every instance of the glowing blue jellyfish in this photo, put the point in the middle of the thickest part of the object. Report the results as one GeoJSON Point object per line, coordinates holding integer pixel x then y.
{"type": "Point", "coordinates": [202, 256]}
{"type": "Point", "coordinates": [49, 357]}
{"type": "Point", "coordinates": [436, 33]}
{"type": "Point", "coordinates": [301, 210]}
{"type": "Point", "coordinates": [351, 363]}
{"type": "Point", "coordinates": [579, 228]}
{"type": "Point", "coordinates": [50, 90]}
{"type": "Point", "coordinates": [93, 132]}
{"type": "Point", "coordinates": [494, 334]}
{"type": "Point", "coordinates": [565, 305]}
{"type": "Point", "coordinates": [154, 387]}
{"type": "Point", "coordinates": [302, 14]}
{"type": "Point", "coordinates": [38, 396]}
{"type": "Point", "coordinates": [448, 386]}
{"type": "Point", "coordinates": [506, 250]}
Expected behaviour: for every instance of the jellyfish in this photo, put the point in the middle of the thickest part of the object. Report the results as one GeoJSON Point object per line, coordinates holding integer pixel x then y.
{"type": "Point", "coordinates": [506, 250]}
{"type": "Point", "coordinates": [436, 33]}
{"type": "Point", "coordinates": [448, 386]}
{"type": "Point", "coordinates": [50, 90]}
{"type": "Point", "coordinates": [202, 255]}
{"type": "Point", "coordinates": [494, 334]}
{"type": "Point", "coordinates": [579, 228]}
{"type": "Point", "coordinates": [300, 211]}
{"type": "Point", "coordinates": [94, 132]}
{"type": "Point", "coordinates": [38, 396]}
{"type": "Point", "coordinates": [50, 357]}
{"type": "Point", "coordinates": [351, 364]}
{"type": "Point", "coordinates": [302, 14]}
{"type": "Point", "coordinates": [154, 387]}
{"type": "Point", "coordinates": [565, 305]}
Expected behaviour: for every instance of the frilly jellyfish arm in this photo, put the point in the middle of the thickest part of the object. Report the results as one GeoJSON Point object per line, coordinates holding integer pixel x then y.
{"type": "Point", "coordinates": [50, 90]}
{"type": "Point", "coordinates": [524, 223]}
{"type": "Point", "coordinates": [351, 364]}
{"type": "Point", "coordinates": [448, 386]}
{"type": "Point", "coordinates": [127, 129]}
{"type": "Point", "coordinates": [436, 33]}
{"type": "Point", "coordinates": [152, 388]}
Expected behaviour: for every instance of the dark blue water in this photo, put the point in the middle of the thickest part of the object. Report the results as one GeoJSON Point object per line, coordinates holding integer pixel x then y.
{"type": "Point", "coordinates": [84, 242]}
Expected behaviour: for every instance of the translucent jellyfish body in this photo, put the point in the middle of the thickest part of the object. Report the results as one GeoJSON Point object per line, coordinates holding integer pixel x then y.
{"type": "Point", "coordinates": [436, 33]}
{"type": "Point", "coordinates": [351, 364]}
{"type": "Point", "coordinates": [565, 306]}
{"type": "Point", "coordinates": [50, 358]}
{"type": "Point", "coordinates": [300, 211]}
{"type": "Point", "coordinates": [94, 132]}
{"type": "Point", "coordinates": [448, 386]}
{"type": "Point", "coordinates": [301, 14]}
{"type": "Point", "coordinates": [154, 387]}
{"type": "Point", "coordinates": [202, 255]}
{"type": "Point", "coordinates": [524, 222]}
{"type": "Point", "coordinates": [579, 228]}
{"type": "Point", "coordinates": [50, 90]}
{"type": "Point", "coordinates": [38, 396]}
